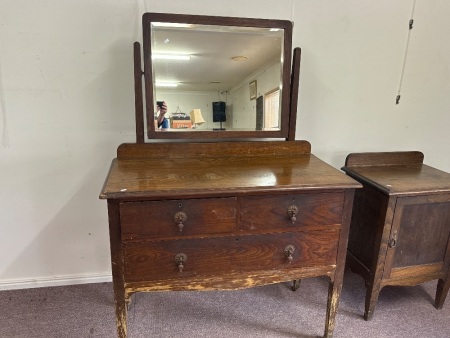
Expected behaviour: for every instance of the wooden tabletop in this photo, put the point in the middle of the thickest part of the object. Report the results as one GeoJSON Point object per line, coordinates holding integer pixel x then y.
{"type": "Point", "coordinates": [402, 179]}
{"type": "Point", "coordinates": [184, 177]}
{"type": "Point", "coordinates": [397, 172]}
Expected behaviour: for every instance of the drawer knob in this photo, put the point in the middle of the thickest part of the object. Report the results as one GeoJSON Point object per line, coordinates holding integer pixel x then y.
{"type": "Point", "coordinates": [180, 259]}
{"type": "Point", "coordinates": [289, 251]}
{"type": "Point", "coordinates": [179, 218]}
{"type": "Point", "coordinates": [292, 213]}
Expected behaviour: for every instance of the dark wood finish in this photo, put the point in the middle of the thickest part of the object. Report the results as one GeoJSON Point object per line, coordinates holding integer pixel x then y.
{"type": "Point", "coordinates": [225, 243]}
{"type": "Point", "coordinates": [138, 104]}
{"type": "Point", "coordinates": [144, 220]}
{"type": "Point", "coordinates": [219, 255]}
{"type": "Point", "coordinates": [295, 79]}
{"type": "Point", "coordinates": [269, 212]}
{"type": "Point", "coordinates": [117, 268]}
{"type": "Point", "coordinates": [400, 228]}
{"type": "Point", "coordinates": [211, 150]}
{"type": "Point", "coordinates": [228, 215]}
{"type": "Point", "coordinates": [218, 21]}
{"type": "Point", "coordinates": [384, 158]}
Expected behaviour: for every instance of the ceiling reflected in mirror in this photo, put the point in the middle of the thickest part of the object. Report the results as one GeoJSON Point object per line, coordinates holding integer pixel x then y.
{"type": "Point", "coordinates": [212, 58]}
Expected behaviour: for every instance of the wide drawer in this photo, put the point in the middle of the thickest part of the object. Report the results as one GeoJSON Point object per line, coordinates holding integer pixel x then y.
{"type": "Point", "coordinates": [214, 256]}
{"type": "Point", "coordinates": [291, 211]}
{"type": "Point", "coordinates": [177, 217]}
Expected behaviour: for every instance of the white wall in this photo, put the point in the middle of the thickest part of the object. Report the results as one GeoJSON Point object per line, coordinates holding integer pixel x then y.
{"type": "Point", "coordinates": [66, 90]}
{"type": "Point", "coordinates": [243, 109]}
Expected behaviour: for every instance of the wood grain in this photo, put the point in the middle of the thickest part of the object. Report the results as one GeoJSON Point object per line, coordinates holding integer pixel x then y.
{"type": "Point", "coordinates": [270, 212]}
{"type": "Point", "coordinates": [138, 99]}
{"type": "Point", "coordinates": [150, 219]}
{"type": "Point", "coordinates": [207, 257]}
{"type": "Point", "coordinates": [384, 158]}
{"type": "Point", "coordinates": [397, 180]}
{"type": "Point", "coordinates": [400, 228]}
{"type": "Point", "coordinates": [207, 175]}
{"type": "Point", "coordinates": [295, 79]}
{"type": "Point", "coordinates": [176, 150]}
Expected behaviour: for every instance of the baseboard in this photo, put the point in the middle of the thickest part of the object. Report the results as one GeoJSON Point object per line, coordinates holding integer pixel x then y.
{"type": "Point", "coordinates": [54, 281]}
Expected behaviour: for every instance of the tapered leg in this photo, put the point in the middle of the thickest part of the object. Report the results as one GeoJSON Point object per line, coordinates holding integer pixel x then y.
{"type": "Point", "coordinates": [121, 314]}
{"type": "Point", "coordinates": [334, 292]}
{"type": "Point", "coordinates": [120, 299]}
{"type": "Point", "coordinates": [335, 286]}
{"type": "Point", "coordinates": [295, 284]}
{"type": "Point", "coordinates": [372, 293]}
{"type": "Point", "coordinates": [442, 291]}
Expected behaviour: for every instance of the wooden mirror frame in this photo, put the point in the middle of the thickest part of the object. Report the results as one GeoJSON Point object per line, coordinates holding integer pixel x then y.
{"type": "Point", "coordinates": [289, 80]}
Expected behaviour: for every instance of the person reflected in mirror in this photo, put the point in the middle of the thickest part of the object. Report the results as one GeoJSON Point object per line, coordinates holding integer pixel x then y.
{"type": "Point", "coordinates": [161, 109]}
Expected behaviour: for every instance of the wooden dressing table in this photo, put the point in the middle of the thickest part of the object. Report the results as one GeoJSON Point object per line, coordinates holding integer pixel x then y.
{"type": "Point", "coordinates": [224, 215]}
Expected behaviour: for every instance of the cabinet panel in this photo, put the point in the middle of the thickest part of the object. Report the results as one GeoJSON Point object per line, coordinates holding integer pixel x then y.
{"type": "Point", "coordinates": [420, 232]}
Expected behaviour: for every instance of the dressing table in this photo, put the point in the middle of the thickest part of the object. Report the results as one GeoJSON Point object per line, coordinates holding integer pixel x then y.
{"type": "Point", "coordinates": [223, 210]}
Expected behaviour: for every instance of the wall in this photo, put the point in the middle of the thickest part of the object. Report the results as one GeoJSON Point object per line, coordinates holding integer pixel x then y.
{"type": "Point", "coordinates": [66, 90]}
{"type": "Point", "coordinates": [244, 109]}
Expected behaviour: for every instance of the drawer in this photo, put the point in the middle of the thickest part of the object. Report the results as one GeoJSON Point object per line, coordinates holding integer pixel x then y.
{"type": "Point", "coordinates": [271, 212]}
{"type": "Point", "coordinates": [177, 217]}
{"type": "Point", "coordinates": [224, 255]}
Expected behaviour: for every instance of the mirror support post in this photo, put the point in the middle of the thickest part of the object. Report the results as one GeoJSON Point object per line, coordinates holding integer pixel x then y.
{"type": "Point", "coordinates": [138, 100]}
{"type": "Point", "coordinates": [295, 77]}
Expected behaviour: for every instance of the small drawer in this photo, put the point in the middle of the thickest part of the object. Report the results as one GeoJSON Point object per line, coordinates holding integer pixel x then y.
{"type": "Point", "coordinates": [291, 211]}
{"type": "Point", "coordinates": [169, 218]}
{"type": "Point", "coordinates": [185, 258]}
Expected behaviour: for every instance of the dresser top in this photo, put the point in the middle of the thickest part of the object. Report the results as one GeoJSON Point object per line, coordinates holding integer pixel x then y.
{"type": "Point", "coordinates": [397, 173]}
{"type": "Point", "coordinates": [278, 169]}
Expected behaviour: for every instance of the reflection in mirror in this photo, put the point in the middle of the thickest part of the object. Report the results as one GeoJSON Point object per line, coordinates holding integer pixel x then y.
{"type": "Point", "coordinates": [235, 71]}
{"type": "Point", "coordinates": [232, 74]}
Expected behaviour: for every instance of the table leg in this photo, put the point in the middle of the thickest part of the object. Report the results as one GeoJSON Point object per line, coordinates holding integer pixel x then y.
{"type": "Point", "coordinates": [121, 314]}
{"type": "Point", "coordinates": [295, 284]}
{"type": "Point", "coordinates": [334, 292]}
{"type": "Point", "coordinates": [442, 291]}
{"type": "Point", "coordinates": [372, 293]}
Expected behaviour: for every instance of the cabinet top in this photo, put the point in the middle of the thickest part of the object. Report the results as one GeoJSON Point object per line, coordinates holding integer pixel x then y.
{"type": "Point", "coordinates": [397, 173]}
{"type": "Point", "coordinates": [187, 172]}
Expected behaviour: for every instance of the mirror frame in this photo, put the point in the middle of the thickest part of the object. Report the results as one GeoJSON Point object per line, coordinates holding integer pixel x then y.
{"type": "Point", "coordinates": [285, 115]}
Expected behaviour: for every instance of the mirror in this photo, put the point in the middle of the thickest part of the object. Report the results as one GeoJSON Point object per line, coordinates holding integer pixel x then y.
{"type": "Point", "coordinates": [220, 77]}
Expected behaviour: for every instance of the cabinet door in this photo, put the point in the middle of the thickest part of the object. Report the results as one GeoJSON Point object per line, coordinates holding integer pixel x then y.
{"type": "Point", "coordinates": [419, 236]}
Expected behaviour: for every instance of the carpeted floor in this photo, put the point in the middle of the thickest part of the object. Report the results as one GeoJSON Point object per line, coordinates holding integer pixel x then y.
{"type": "Point", "coordinates": [271, 311]}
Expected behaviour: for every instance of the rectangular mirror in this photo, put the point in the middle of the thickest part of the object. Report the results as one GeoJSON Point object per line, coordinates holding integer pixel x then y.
{"type": "Point", "coordinates": [220, 77]}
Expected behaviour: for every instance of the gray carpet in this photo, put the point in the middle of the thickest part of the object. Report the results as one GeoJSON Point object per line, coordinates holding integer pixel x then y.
{"type": "Point", "coordinates": [268, 311]}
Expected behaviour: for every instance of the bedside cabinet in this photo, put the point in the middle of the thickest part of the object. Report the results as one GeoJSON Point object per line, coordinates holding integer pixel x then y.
{"type": "Point", "coordinates": [400, 227]}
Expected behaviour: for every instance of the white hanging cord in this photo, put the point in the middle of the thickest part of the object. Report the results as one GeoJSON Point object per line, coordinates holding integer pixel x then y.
{"type": "Point", "coordinates": [411, 22]}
